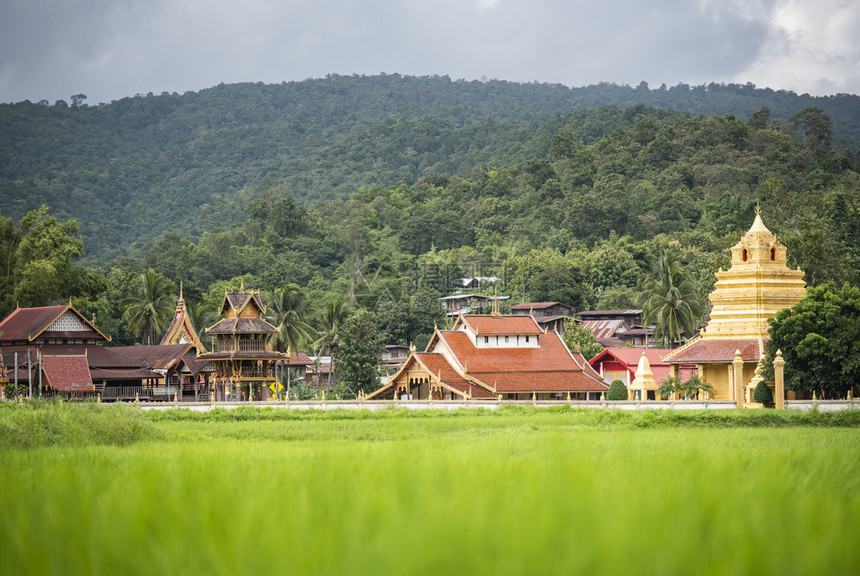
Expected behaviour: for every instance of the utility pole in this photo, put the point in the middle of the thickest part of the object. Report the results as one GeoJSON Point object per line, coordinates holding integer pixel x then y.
{"type": "Point", "coordinates": [16, 373]}
{"type": "Point", "coordinates": [40, 371]}
{"type": "Point", "coordinates": [29, 373]}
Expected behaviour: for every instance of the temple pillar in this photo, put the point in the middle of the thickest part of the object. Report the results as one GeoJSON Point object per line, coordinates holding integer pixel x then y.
{"type": "Point", "coordinates": [779, 380]}
{"type": "Point", "coordinates": [731, 381]}
{"type": "Point", "coordinates": [738, 366]}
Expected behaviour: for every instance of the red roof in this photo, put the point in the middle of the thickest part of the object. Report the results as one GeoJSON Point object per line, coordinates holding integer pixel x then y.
{"type": "Point", "coordinates": [715, 350]}
{"type": "Point", "coordinates": [28, 323]}
{"type": "Point", "coordinates": [630, 358]}
{"type": "Point", "coordinates": [299, 359]}
{"type": "Point", "coordinates": [549, 367]}
{"type": "Point", "coordinates": [510, 325]}
{"type": "Point", "coordinates": [67, 373]}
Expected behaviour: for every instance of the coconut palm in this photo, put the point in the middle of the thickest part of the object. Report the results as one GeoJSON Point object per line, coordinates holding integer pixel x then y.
{"type": "Point", "coordinates": [670, 297]}
{"type": "Point", "coordinates": [202, 316]}
{"type": "Point", "coordinates": [150, 308]}
{"type": "Point", "coordinates": [330, 322]}
{"type": "Point", "coordinates": [288, 311]}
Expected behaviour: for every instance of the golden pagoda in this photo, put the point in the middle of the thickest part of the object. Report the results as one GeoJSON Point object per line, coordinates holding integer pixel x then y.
{"type": "Point", "coordinates": [758, 285]}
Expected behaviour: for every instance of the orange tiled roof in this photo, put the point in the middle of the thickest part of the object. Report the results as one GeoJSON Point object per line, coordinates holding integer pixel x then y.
{"type": "Point", "coordinates": [715, 350]}
{"type": "Point", "coordinates": [549, 367]}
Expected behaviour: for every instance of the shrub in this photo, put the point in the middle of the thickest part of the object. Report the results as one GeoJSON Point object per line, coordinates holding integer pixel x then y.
{"type": "Point", "coordinates": [617, 391]}
{"type": "Point", "coordinates": [762, 394]}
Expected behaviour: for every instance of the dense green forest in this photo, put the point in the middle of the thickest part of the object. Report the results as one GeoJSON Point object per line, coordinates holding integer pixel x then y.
{"type": "Point", "coordinates": [137, 169]}
{"type": "Point", "coordinates": [583, 209]}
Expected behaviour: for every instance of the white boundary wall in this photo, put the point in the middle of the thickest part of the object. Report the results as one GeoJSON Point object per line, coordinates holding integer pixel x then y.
{"type": "Point", "coordinates": [442, 405]}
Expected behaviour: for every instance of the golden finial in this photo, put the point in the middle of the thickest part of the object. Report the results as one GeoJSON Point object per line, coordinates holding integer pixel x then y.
{"type": "Point", "coordinates": [180, 290]}
{"type": "Point", "coordinates": [495, 312]}
{"type": "Point", "coordinates": [757, 208]}
{"type": "Point", "coordinates": [242, 286]}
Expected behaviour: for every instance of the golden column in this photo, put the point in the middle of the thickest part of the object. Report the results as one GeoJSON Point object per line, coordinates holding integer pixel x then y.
{"type": "Point", "coordinates": [738, 365]}
{"type": "Point", "coordinates": [779, 381]}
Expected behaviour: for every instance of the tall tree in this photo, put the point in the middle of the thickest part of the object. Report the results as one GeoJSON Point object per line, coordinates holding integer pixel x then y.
{"type": "Point", "coordinates": [38, 258]}
{"type": "Point", "coordinates": [288, 311]}
{"type": "Point", "coordinates": [578, 337]}
{"type": "Point", "coordinates": [359, 353]}
{"type": "Point", "coordinates": [671, 298]}
{"type": "Point", "coordinates": [148, 310]}
{"type": "Point", "coordinates": [329, 325]}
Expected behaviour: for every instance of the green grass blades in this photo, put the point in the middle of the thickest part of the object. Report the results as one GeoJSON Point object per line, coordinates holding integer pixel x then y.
{"type": "Point", "coordinates": [523, 492]}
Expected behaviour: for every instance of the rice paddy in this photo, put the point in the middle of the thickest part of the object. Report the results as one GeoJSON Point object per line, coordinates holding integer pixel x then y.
{"type": "Point", "coordinates": [517, 492]}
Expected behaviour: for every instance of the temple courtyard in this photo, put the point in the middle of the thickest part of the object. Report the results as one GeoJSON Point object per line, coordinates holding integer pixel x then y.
{"type": "Point", "coordinates": [90, 489]}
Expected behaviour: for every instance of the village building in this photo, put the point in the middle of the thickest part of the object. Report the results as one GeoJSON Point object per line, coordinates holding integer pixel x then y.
{"type": "Point", "coordinates": [494, 357]}
{"type": "Point", "coordinates": [469, 303]}
{"type": "Point", "coordinates": [244, 366]}
{"type": "Point", "coordinates": [548, 315]}
{"type": "Point", "coordinates": [745, 297]}
{"type": "Point", "coordinates": [393, 356]}
{"type": "Point", "coordinates": [57, 351]}
{"type": "Point", "coordinates": [622, 363]}
{"type": "Point", "coordinates": [610, 326]}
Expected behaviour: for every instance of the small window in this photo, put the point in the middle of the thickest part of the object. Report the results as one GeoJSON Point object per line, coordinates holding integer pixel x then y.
{"type": "Point", "coordinates": [527, 339]}
{"type": "Point", "coordinates": [507, 339]}
{"type": "Point", "coordinates": [486, 339]}
{"type": "Point", "coordinates": [773, 254]}
{"type": "Point", "coordinates": [744, 255]}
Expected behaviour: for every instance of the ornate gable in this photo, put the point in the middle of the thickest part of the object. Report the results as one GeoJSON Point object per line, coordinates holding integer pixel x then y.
{"type": "Point", "coordinates": [181, 330]}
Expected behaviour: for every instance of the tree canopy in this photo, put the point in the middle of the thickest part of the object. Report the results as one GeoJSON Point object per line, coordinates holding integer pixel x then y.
{"type": "Point", "coordinates": [820, 341]}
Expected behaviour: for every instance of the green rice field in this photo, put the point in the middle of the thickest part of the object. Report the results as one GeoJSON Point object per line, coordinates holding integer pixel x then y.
{"type": "Point", "coordinates": [112, 490]}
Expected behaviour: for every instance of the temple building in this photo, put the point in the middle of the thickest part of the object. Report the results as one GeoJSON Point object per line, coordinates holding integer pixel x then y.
{"type": "Point", "coordinates": [245, 367]}
{"type": "Point", "coordinates": [56, 350]}
{"type": "Point", "coordinates": [494, 357]}
{"type": "Point", "coordinates": [753, 290]}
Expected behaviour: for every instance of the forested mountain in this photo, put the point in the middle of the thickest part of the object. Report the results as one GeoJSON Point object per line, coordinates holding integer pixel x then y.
{"type": "Point", "coordinates": [135, 169]}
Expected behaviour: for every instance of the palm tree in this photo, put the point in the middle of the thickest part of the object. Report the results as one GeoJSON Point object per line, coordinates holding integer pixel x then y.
{"type": "Point", "coordinates": [670, 297]}
{"type": "Point", "coordinates": [331, 321]}
{"type": "Point", "coordinates": [691, 388]}
{"type": "Point", "coordinates": [201, 316]}
{"type": "Point", "coordinates": [668, 386]}
{"type": "Point", "coordinates": [149, 309]}
{"type": "Point", "coordinates": [288, 311]}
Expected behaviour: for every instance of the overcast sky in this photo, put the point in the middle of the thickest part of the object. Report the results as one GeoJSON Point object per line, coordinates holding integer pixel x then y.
{"type": "Point", "coordinates": [51, 49]}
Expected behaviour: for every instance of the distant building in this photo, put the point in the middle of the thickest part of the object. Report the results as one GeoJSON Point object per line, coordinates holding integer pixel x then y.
{"type": "Point", "coordinates": [469, 303]}
{"type": "Point", "coordinates": [608, 326]}
{"type": "Point", "coordinates": [549, 315]}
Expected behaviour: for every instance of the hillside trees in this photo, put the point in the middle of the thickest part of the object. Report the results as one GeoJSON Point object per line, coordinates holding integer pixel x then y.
{"type": "Point", "coordinates": [36, 259]}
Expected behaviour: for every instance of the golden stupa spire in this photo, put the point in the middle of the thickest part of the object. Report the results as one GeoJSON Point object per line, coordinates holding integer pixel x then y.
{"type": "Point", "coordinates": [495, 311]}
